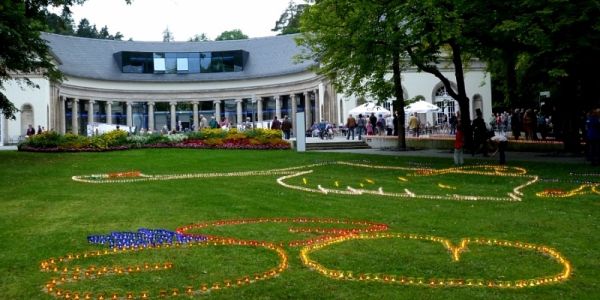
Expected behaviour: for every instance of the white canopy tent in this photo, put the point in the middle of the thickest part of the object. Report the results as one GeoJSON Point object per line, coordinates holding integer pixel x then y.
{"type": "Point", "coordinates": [368, 108]}
{"type": "Point", "coordinates": [421, 107]}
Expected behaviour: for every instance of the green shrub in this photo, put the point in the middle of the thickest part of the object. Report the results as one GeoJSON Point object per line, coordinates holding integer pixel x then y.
{"type": "Point", "coordinates": [49, 139]}
{"type": "Point", "coordinates": [73, 141]}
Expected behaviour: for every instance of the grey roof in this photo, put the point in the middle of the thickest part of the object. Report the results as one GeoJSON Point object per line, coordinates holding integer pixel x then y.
{"type": "Point", "coordinates": [93, 58]}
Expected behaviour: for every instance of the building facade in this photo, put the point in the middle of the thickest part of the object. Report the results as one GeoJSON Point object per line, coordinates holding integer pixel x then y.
{"type": "Point", "coordinates": [156, 85]}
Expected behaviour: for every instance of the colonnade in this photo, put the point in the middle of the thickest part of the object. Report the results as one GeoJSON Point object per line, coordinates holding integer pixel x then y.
{"type": "Point", "coordinates": [257, 102]}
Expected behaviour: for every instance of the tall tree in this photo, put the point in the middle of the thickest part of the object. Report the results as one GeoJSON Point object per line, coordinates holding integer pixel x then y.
{"type": "Point", "coordinates": [289, 21]}
{"type": "Point", "coordinates": [85, 29]}
{"type": "Point", "coordinates": [235, 34]}
{"type": "Point", "coordinates": [199, 38]}
{"type": "Point", "coordinates": [357, 43]}
{"type": "Point", "coordinates": [168, 36]}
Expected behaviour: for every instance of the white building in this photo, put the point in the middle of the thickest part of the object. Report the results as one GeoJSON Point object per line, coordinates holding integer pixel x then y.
{"type": "Point", "coordinates": [151, 85]}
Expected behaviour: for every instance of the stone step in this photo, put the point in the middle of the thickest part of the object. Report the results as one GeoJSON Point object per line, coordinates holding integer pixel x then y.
{"type": "Point", "coordinates": [337, 145]}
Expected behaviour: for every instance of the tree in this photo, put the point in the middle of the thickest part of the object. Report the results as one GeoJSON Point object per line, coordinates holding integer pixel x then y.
{"type": "Point", "coordinates": [356, 44]}
{"type": "Point", "coordinates": [22, 50]}
{"type": "Point", "coordinates": [199, 38]}
{"type": "Point", "coordinates": [59, 24]}
{"type": "Point", "coordinates": [168, 36]}
{"type": "Point", "coordinates": [85, 29]}
{"type": "Point", "coordinates": [289, 21]}
{"type": "Point", "coordinates": [235, 34]}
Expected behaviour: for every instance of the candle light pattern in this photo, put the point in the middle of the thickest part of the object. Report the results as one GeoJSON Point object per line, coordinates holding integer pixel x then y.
{"type": "Point", "coordinates": [143, 237]}
{"type": "Point", "coordinates": [455, 252]}
{"type": "Point", "coordinates": [581, 190]}
{"type": "Point", "coordinates": [480, 170]}
{"type": "Point", "coordinates": [76, 274]}
{"type": "Point", "coordinates": [164, 239]}
{"type": "Point", "coordinates": [325, 233]}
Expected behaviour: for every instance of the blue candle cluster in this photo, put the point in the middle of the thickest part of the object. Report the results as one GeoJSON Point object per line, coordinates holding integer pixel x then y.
{"type": "Point", "coordinates": [142, 238]}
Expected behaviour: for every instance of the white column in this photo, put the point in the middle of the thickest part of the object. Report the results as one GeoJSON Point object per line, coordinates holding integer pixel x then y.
{"type": "Point", "coordinates": [318, 114]}
{"type": "Point", "coordinates": [259, 109]}
{"type": "Point", "coordinates": [62, 121]}
{"type": "Point", "coordinates": [278, 106]}
{"type": "Point", "coordinates": [151, 116]}
{"type": "Point", "coordinates": [294, 110]}
{"type": "Point", "coordinates": [307, 113]}
{"type": "Point", "coordinates": [173, 115]}
{"type": "Point", "coordinates": [75, 116]}
{"type": "Point", "coordinates": [238, 103]}
{"type": "Point", "coordinates": [91, 112]}
{"type": "Point", "coordinates": [217, 110]}
{"type": "Point", "coordinates": [109, 112]}
{"type": "Point", "coordinates": [129, 114]}
{"type": "Point", "coordinates": [195, 110]}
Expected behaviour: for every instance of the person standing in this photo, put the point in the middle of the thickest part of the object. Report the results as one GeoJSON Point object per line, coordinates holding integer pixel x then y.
{"type": "Point", "coordinates": [515, 124]}
{"type": "Point", "coordinates": [350, 124]}
{"type": "Point", "coordinates": [360, 126]}
{"type": "Point", "coordinates": [373, 122]}
{"type": "Point", "coordinates": [30, 130]}
{"type": "Point", "coordinates": [213, 123]}
{"type": "Point", "coordinates": [413, 125]}
{"type": "Point", "coordinates": [459, 143]}
{"type": "Point", "coordinates": [286, 127]}
{"type": "Point", "coordinates": [480, 134]}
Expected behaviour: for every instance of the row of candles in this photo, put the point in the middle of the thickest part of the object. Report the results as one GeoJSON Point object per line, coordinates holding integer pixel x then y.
{"type": "Point", "coordinates": [438, 282]}
{"type": "Point", "coordinates": [327, 233]}
{"type": "Point", "coordinates": [73, 275]}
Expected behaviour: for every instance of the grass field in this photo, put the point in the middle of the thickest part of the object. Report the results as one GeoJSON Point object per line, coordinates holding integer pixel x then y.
{"type": "Point", "coordinates": [45, 214]}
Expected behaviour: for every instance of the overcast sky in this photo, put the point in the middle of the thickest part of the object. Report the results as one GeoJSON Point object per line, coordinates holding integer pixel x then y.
{"type": "Point", "coordinates": [145, 20]}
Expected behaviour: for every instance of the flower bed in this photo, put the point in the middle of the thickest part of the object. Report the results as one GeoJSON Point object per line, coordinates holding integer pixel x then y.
{"type": "Point", "coordinates": [256, 139]}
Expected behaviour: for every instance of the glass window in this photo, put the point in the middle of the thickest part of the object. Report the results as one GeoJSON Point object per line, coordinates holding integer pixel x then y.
{"type": "Point", "coordinates": [171, 62]}
{"type": "Point", "coordinates": [205, 62]}
{"type": "Point", "coordinates": [181, 62]}
{"type": "Point", "coordinates": [159, 62]}
{"type": "Point", "coordinates": [182, 65]}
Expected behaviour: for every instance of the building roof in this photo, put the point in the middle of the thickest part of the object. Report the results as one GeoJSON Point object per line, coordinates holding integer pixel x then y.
{"type": "Point", "coordinates": [93, 58]}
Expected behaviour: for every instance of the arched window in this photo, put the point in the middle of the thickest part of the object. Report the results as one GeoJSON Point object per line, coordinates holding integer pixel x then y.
{"type": "Point", "coordinates": [26, 118]}
{"type": "Point", "coordinates": [447, 104]}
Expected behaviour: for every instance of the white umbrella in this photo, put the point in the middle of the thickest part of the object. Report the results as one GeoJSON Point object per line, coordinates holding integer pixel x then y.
{"type": "Point", "coordinates": [421, 107]}
{"type": "Point", "coordinates": [368, 108]}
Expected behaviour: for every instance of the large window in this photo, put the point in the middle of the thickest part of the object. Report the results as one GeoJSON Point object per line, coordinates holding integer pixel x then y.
{"type": "Point", "coordinates": [182, 62]}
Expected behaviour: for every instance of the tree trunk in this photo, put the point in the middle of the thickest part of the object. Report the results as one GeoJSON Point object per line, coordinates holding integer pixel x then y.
{"type": "Point", "coordinates": [399, 103]}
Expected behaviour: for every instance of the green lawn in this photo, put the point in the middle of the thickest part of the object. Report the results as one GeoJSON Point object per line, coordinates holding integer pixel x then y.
{"type": "Point", "coordinates": [45, 214]}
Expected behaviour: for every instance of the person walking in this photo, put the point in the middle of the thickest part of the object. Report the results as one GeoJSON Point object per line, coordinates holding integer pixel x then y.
{"type": "Point", "coordinates": [286, 127]}
{"type": "Point", "coordinates": [276, 124]}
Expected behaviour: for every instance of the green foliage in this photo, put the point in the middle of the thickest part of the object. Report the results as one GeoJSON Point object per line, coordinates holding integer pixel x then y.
{"type": "Point", "coordinates": [48, 139]}
{"type": "Point", "coordinates": [235, 34]}
{"type": "Point", "coordinates": [289, 21]}
{"type": "Point", "coordinates": [199, 38]}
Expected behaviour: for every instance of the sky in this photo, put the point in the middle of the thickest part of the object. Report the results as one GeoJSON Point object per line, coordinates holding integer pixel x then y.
{"type": "Point", "coordinates": [146, 20]}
